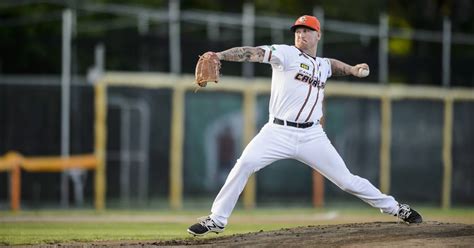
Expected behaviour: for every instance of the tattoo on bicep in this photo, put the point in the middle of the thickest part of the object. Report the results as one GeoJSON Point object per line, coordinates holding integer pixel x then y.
{"type": "Point", "coordinates": [241, 54]}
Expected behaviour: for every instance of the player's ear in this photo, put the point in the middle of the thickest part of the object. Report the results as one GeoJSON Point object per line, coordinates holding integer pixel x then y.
{"type": "Point", "coordinates": [318, 35]}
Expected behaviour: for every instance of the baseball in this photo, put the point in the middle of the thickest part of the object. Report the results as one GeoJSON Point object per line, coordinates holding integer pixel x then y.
{"type": "Point", "coordinates": [363, 72]}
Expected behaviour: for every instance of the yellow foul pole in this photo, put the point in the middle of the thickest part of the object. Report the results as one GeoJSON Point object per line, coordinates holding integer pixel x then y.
{"type": "Point", "coordinates": [100, 144]}
{"type": "Point", "coordinates": [249, 114]}
{"type": "Point", "coordinates": [176, 151]}
{"type": "Point", "coordinates": [447, 153]}
{"type": "Point", "coordinates": [385, 143]}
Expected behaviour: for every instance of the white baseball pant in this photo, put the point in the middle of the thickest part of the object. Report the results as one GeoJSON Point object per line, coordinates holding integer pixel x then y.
{"type": "Point", "coordinates": [310, 146]}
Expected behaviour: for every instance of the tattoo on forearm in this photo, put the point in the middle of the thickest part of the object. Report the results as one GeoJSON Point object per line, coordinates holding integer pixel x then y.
{"type": "Point", "coordinates": [340, 68]}
{"type": "Point", "coordinates": [241, 54]}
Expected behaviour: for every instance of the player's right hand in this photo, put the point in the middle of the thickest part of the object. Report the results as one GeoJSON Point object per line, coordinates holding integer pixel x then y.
{"type": "Point", "coordinates": [360, 70]}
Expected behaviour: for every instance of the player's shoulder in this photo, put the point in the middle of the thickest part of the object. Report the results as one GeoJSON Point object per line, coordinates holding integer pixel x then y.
{"type": "Point", "coordinates": [323, 60]}
{"type": "Point", "coordinates": [325, 65]}
{"type": "Point", "coordinates": [281, 48]}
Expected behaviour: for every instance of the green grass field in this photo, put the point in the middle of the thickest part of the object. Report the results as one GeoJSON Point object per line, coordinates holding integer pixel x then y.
{"type": "Point", "coordinates": [46, 227]}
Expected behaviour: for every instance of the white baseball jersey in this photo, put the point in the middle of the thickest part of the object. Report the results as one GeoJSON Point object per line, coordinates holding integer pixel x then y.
{"type": "Point", "coordinates": [297, 94]}
{"type": "Point", "coordinates": [298, 83]}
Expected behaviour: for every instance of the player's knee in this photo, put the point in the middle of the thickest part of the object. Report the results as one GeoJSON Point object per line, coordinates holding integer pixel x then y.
{"type": "Point", "coordinates": [245, 166]}
{"type": "Point", "coordinates": [347, 184]}
{"type": "Point", "coordinates": [352, 183]}
{"type": "Point", "coordinates": [344, 186]}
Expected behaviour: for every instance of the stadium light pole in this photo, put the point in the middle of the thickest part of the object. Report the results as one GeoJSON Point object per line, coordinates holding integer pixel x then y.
{"type": "Point", "coordinates": [319, 13]}
{"type": "Point", "coordinates": [174, 39]}
{"type": "Point", "coordinates": [248, 35]}
{"type": "Point", "coordinates": [65, 99]}
{"type": "Point", "coordinates": [383, 49]}
{"type": "Point", "coordinates": [317, 178]}
{"type": "Point", "coordinates": [446, 61]}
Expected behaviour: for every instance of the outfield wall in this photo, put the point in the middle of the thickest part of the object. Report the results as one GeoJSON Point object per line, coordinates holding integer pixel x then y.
{"type": "Point", "coordinates": [405, 153]}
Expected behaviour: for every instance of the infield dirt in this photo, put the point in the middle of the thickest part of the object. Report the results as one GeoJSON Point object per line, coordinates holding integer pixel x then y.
{"type": "Point", "coordinates": [374, 234]}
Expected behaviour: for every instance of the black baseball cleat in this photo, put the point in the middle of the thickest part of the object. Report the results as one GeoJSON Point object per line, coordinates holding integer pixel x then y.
{"type": "Point", "coordinates": [408, 215]}
{"type": "Point", "coordinates": [204, 226]}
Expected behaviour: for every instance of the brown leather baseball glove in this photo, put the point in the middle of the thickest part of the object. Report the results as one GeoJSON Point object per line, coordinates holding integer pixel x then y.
{"type": "Point", "coordinates": [207, 69]}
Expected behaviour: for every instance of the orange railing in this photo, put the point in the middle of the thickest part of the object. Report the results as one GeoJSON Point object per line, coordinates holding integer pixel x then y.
{"type": "Point", "coordinates": [13, 162]}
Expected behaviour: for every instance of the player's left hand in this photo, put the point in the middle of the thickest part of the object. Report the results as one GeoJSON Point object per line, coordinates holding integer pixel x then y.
{"type": "Point", "coordinates": [360, 70]}
{"type": "Point", "coordinates": [207, 69]}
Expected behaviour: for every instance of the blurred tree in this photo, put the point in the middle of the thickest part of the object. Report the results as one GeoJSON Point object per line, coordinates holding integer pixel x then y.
{"type": "Point", "coordinates": [25, 32]}
{"type": "Point", "coordinates": [399, 46]}
{"type": "Point", "coordinates": [142, 3]}
{"type": "Point", "coordinates": [30, 31]}
{"type": "Point", "coordinates": [214, 5]}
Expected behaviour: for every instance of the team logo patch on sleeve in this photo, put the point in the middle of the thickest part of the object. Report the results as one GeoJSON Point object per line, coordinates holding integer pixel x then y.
{"type": "Point", "coordinates": [304, 66]}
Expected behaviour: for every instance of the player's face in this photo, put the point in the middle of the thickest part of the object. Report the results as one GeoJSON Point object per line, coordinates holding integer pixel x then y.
{"type": "Point", "coordinates": [306, 38]}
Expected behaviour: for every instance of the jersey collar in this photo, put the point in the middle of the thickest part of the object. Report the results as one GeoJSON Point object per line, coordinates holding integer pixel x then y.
{"type": "Point", "coordinates": [303, 53]}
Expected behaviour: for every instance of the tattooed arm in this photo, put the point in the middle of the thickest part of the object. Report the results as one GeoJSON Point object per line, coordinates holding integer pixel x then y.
{"type": "Point", "coordinates": [241, 54]}
{"type": "Point", "coordinates": [342, 69]}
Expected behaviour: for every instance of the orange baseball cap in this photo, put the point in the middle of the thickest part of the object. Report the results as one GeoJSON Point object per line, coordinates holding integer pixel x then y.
{"type": "Point", "coordinates": [308, 21]}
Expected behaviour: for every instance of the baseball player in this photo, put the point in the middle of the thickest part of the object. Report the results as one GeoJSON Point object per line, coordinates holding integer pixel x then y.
{"type": "Point", "coordinates": [293, 130]}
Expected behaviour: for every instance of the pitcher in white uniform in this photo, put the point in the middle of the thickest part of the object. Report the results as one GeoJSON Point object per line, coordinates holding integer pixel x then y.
{"type": "Point", "coordinates": [293, 129]}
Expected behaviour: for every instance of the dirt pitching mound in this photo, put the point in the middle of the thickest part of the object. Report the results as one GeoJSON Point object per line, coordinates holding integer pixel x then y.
{"type": "Point", "coordinates": [375, 234]}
